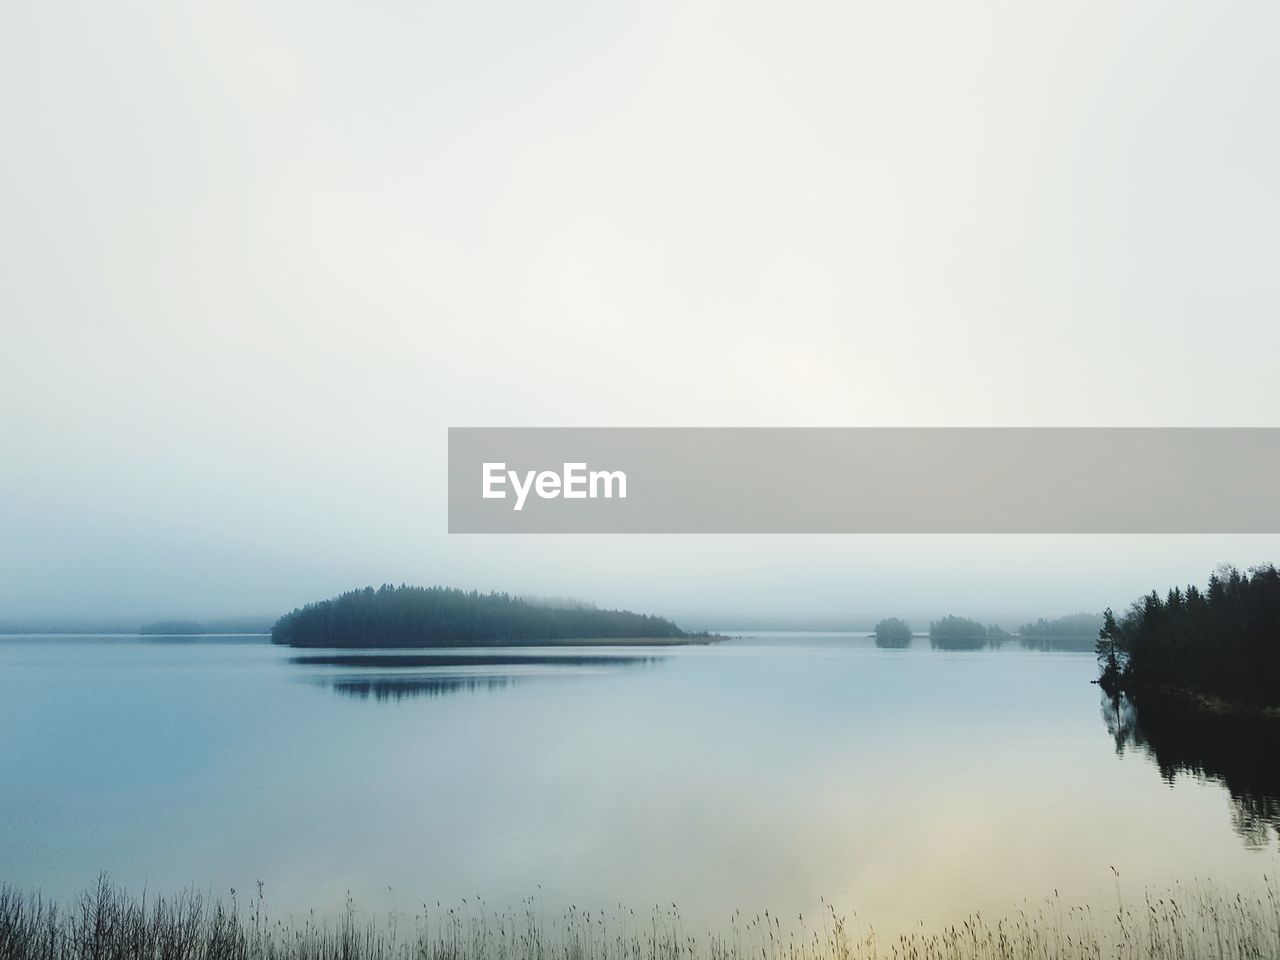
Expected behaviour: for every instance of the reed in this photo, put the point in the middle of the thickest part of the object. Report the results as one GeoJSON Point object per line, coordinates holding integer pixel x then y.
{"type": "Point", "coordinates": [107, 923]}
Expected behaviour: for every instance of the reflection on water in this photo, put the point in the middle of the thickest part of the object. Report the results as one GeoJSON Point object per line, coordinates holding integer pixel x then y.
{"type": "Point", "coordinates": [1083, 644]}
{"type": "Point", "coordinates": [469, 660]}
{"type": "Point", "coordinates": [396, 676]}
{"type": "Point", "coordinates": [393, 688]}
{"type": "Point", "coordinates": [1238, 750]}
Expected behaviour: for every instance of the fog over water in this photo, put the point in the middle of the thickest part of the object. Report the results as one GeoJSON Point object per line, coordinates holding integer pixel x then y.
{"type": "Point", "coordinates": [255, 260]}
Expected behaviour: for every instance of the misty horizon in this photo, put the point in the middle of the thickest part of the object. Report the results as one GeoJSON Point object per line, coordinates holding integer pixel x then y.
{"type": "Point", "coordinates": [233, 346]}
{"type": "Point", "coordinates": [742, 618]}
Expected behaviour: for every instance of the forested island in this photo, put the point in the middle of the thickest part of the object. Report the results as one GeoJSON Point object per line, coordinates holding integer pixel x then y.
{"type": "Point", "coordinates": [962, 633]}
{"type": "Point", "coordinates": [1220, 644]}
{"type": "Point", "coordinates": [893, 633]}
{"type": "Point", "coordinates": [407, 616]}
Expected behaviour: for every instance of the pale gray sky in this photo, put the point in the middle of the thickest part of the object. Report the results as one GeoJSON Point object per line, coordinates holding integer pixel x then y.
{"type": "Point", "coordinates": [256, 257]}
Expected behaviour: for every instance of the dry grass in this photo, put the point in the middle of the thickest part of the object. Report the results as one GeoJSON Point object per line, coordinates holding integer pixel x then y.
{"type": "Point", "coordinates": [106, 923]}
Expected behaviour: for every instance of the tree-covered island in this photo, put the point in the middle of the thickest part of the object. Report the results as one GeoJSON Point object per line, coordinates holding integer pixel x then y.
{"type": "Point", "coordinates": [406, 616]}
{"type": "Point", "coordinates": [961, 633]}
{"type": "Point", "coordinates": [892, 632]}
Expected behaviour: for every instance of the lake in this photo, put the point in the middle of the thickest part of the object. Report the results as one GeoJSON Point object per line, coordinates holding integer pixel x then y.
{"type": "Point", "coordinates": [771, 771]}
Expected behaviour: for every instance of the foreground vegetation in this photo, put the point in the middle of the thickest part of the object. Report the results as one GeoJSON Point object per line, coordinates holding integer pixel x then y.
{"type": "Point", "coordinates": [108, 924]}
{"type": "Point", "coordinates": [1220, 644]}
{"type": "Point", "coordinates": [444, 617]}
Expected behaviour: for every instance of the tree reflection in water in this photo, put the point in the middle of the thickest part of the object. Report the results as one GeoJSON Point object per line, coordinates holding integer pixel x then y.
{"type": "Point", "coordinates": [1237, 750]}
{"type": "Point", "coordinates": [398, 676]}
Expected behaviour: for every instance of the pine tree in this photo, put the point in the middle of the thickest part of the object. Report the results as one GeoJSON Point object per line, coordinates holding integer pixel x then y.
{"type": "Point", "coordinates": [1105, 648]}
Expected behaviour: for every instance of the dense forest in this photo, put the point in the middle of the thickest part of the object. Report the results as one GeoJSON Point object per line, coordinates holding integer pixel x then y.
{"type": "Point", "coordinates": [1222, 642]}
{"type": "Point", "coordinates": [445, 617]}
{"type": "Point", "coordinates": [892, 632]}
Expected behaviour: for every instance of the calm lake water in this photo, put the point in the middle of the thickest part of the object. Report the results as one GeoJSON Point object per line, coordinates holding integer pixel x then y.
{"type": "Point", "coordinates": [771, 771]}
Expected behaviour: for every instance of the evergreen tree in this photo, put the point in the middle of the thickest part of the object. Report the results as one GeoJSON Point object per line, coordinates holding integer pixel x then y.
{"type": "Point", "coordinates": [1108, 638]}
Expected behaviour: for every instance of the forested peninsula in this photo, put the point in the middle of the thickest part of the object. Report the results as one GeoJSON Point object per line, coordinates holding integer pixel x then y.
{"type": "Point", "coordinates": [407, 616]}
{"type": "Point", "coordinates": [1220, 644]}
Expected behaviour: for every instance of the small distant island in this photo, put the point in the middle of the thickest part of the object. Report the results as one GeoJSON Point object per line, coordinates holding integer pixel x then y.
{"type": "Point", "coordinates": [405, 616]}
{"type": "Point", "coordinates": [949, 633]}
{"type": "Point", "coordinates": [893, 633]}
{"type": "Point", "coordinates": [962, 633]}
{"type": "Point", "coordinates": [1074, 632]}
{"type": "Point", "coordinates": [1220, 645]}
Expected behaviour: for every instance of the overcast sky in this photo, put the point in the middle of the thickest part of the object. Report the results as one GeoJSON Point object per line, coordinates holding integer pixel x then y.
{"type": "Point", "coordinates": [255, 258]}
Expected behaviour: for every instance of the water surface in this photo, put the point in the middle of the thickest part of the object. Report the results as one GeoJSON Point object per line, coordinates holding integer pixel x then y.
{"type": "Point", "coordinates": [904, 785]}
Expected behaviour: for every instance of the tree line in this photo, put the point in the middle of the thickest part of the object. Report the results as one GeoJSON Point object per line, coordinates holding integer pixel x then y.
{"type": "Point", "coordinates": [407, 616]}
{"type": "Point", "coordinates": [1221, 642]}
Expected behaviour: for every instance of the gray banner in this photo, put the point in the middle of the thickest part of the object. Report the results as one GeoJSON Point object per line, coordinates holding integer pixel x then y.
{"type": "Point", "coordinates": [863, 480]}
